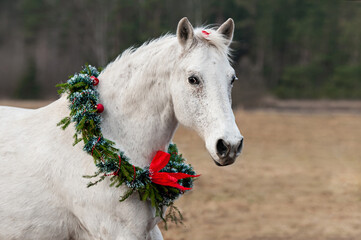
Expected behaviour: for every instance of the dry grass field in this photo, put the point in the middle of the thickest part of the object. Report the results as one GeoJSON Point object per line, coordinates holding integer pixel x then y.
{"type": "Point", "coordinates": [299, 178]}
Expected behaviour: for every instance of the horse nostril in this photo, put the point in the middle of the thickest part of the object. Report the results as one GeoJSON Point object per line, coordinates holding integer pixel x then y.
{"type": "Point", "coordinates": [240, 146]}
{"type": "Point", "coordinates": [222, 148]}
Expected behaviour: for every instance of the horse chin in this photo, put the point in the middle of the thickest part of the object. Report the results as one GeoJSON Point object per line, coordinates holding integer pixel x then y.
{"type": "Point", "coordinates": [224, 162]}
{"type": "Point", "coordinates": [221, 162]}
{"type": "Point", "coordinates": [217, 163]}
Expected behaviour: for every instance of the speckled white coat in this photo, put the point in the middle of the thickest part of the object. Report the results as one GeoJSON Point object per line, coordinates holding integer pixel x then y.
{"type": "Point", "coordinates": [145, 93]}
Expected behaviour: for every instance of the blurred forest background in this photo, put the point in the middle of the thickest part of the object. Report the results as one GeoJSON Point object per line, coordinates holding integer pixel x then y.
{"type": "Point", "coordinates": [289, 49]}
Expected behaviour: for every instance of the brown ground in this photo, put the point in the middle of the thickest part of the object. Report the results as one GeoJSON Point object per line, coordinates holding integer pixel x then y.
{"type": "Point", "coordinates": [299, 178]}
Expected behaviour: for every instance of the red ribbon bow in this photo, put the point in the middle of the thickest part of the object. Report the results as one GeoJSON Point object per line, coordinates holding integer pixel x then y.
{"type": "Point", "coordinates": [206, 33]}
{"type": "Point", "coordinates": [159, 161]}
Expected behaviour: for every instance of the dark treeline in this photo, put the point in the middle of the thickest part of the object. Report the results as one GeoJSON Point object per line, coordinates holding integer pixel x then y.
{"type": "Point", "coordinates": [286, 48]}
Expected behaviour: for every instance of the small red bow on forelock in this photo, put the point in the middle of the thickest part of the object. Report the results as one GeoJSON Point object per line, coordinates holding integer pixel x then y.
{"type": "Point", "coordinates": [206, 33]}
{"type": "Point", "coordinates": [159, 161]}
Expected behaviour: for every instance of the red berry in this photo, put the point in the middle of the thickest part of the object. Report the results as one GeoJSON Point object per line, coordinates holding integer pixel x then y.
{"type": "Point", "coordinates": [95, 80]}
{"type": "Point", "coordinates": [100, 108]}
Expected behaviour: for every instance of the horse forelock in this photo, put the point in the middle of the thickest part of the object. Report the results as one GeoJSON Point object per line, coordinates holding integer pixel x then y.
{"type": "Point", "coordinates": [213, 39]}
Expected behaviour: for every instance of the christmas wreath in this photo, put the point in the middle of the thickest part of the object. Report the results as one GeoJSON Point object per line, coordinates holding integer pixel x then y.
{"type": "Point", "coordinates": [168, 175]}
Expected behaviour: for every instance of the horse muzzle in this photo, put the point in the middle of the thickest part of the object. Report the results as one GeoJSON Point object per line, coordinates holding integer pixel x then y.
{"type": "Point", "coordinates": [227, 152]}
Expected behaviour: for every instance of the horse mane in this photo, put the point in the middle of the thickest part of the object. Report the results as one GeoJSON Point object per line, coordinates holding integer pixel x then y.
{"type": "Point", "coordinates": [214, 39]}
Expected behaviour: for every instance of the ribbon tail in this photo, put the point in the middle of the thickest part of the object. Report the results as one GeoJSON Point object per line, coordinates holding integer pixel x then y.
{"type": "Point", "coordinates": [177, 185]}
{"type": "Point", "coordinates": [172, 184]}
{"type": "Point", "coordinates": [165, 179]}
{"type": "Point", "coordinates": [181, 175]}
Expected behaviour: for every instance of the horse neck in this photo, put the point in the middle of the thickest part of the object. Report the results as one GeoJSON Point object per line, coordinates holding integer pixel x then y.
{"type": "Point", "coordinates": [139, 113]}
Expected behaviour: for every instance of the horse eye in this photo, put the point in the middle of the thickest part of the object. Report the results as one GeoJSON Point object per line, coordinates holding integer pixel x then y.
{"type": "Point", "coordinates": [193, 80]}
{"type": "Point", "coordinates": [234, 78]}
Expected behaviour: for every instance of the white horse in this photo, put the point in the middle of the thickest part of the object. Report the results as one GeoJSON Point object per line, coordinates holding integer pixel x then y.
{"type": "Point", "coordinates": [146, 92]}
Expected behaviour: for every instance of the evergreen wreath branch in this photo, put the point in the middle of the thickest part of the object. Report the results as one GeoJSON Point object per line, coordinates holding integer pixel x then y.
{"type": "Point", "coordinates": [110, 161]}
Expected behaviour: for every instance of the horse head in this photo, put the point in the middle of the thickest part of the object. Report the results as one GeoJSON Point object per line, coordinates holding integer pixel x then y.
{"type": "Point", "coordinates": [201, 88]}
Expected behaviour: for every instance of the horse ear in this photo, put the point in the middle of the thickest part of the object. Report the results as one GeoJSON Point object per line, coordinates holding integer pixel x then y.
{"type": "Point", "coordinates": [227, 29]}
{"type": "Point", "coordinates": [185, 32]}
